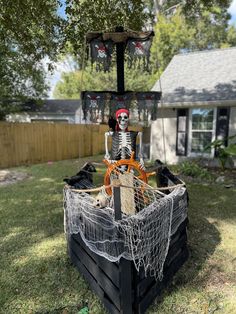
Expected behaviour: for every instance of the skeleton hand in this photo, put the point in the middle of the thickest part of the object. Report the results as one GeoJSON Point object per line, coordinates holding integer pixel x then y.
{"type": "Point", "coordinates": [142, 162]}
{"type": "Point", "coordinates": [107, 157]}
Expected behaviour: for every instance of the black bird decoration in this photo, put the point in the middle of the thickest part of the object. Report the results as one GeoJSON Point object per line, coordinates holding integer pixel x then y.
{"type": "Point", "coordinates": [83, 179]}
{"type": "Point", "coordinates": [112, 123]}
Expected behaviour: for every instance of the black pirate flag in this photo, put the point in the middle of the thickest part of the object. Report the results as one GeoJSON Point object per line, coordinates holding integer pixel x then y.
{"type": "Point", "coordinates": [147, 103]}
{"type": "Point", "coordinates": [94, 104]}
{"type": "Point", "coordinates": [101, 54]}
{"type": "Point", "coordinates": [139, 52]}
{"type": "Point", "coordinates": [119, 101]}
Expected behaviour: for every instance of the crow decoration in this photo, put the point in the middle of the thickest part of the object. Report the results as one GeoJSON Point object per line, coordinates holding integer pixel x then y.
{"type": "Point", "coordinates": [83, 179]}
{"type": "Point", "coordinates": [112, 123]}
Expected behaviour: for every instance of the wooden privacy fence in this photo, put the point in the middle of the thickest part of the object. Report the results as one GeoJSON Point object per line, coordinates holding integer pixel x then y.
{"type": "Point", "coordinates": [31, 143]}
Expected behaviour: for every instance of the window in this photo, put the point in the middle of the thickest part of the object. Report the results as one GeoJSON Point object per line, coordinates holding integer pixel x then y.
{"type": "Point", "coordinates": [201, 131]}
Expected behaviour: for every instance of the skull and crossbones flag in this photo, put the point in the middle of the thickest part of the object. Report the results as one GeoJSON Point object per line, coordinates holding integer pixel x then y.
{"type": "Point", "coordinates": [119, 101]}
{"type": "Point", "coordinates": [94, 104]}
{"type": "Point", "coordinates": [137, 45]}
{"type": "Point", "coordinates": [147, 103]}
{"type": "Point", "coordinates": [138, 51]}
{"type": "Point", "coordinates": [101, 54]}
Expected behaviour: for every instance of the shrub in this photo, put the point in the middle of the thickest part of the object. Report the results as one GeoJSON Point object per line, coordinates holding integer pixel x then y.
{"type": "Point", "coordinates": [192, 169]}
{"type": "Point", "coordinates": [224, 154]}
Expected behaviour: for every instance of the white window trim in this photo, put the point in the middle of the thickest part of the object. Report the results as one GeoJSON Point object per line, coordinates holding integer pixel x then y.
{"type": "Point", "coordinates": [212, 153]}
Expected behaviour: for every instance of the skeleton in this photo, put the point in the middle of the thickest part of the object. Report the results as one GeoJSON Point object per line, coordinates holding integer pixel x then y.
{"type": "Point", "coordinates": [123, 141]}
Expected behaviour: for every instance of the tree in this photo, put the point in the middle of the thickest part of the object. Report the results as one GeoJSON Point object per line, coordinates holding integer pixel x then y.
{"type": "Point", "coordinates": [176, 34]}
{"type": "Point", "coordinates": [86, 15]}
{"type": "Point", "coordinates": [29, 31]}
{"type": "Point", "coordinates": [20, 78]}
{"type": "Point", "coordinates": [102, 15]}
{"type": "Point", "coordinates": [171, 35]}
{"type": "Point", "coordinates": [72, 83]}
{"type": "Point", "coordinates": [32, 26]}
{"type": "Point", "coordinates": [192, 10]}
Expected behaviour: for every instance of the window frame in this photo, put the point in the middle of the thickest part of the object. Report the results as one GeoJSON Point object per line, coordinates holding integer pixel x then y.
{"type": "Point", "coordinates": [190, 130]}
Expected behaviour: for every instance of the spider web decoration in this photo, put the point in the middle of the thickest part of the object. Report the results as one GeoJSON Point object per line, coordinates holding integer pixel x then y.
{"type": "Point", "coordinates": [139, 53]}
{"type": "Point", "coordinates": [101, 54]}
{"type": "Point", "coordinates": [143, 237]}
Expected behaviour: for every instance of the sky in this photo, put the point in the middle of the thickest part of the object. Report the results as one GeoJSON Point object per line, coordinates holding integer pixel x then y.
{"type": "Point", "coordinates": [66, 65]}
{"type": "Point", "coordinates": [232, 11]}
{"type": "Point", "coordinates": [61, 10]}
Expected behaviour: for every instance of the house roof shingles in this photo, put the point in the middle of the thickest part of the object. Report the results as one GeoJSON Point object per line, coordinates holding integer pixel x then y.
{"type": "Point", "coordinates": [56, 106]}
{"type": "Point", "coordinates": [204, 76]}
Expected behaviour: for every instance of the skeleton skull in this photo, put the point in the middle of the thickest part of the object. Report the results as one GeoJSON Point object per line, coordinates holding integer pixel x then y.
{"type": "Point", "coordinates": [100, 200]}
{"type": "Point", "coordinates": [122, 117]}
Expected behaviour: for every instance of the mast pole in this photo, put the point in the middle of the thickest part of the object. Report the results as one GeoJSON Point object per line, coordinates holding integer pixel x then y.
{"type": "Point", "coordinates": [120, 52]}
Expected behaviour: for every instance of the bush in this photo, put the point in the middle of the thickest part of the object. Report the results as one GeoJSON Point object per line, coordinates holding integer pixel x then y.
{"type": "Point", "coordinates": [224, 154]}
{"type": "Point", "coordinates": [192, 169]}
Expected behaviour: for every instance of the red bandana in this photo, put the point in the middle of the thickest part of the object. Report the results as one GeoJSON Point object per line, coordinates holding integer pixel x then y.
{"type": "Point", "coordinates": [118, 112]}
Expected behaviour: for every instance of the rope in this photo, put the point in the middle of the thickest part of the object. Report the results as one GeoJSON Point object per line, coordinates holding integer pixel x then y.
{"type": "Point", "coordinates": [172, 187]}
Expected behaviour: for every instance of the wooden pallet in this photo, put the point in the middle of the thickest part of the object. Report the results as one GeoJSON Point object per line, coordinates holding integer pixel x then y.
{"type": "Point", "coordinates": [119, 286]}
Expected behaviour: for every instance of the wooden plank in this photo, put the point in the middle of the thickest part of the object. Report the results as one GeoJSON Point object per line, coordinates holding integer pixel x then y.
{"type": "Point", "coordinates": [158, 287]}
{"type": "Point", "coordinates": [97, 273]}
{"type": "Point", "coordinates": [125, 286]}
{"type": "Point", "coordinates": [94, 285]}
{"type": "Point", "coordinates": [109, 305]}
{"type": "Point", "coordinates": [143, 283]}
{"type": "Point", "coordinates": [117, 200]}
{"type": "Point", "coordinates": [181, 227]}
{"type": "Point", "coordinates": [173, 252]}
{"type": "Point", "coordinates": [111, 269]}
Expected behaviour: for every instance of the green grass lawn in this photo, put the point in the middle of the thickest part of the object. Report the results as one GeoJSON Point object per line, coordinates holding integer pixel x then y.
{"type": "Point", "coordinates": [37, 277]}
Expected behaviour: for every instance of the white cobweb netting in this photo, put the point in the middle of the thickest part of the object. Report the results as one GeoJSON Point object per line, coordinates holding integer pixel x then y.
{"type": "Point", "coordinates": [142, 237]}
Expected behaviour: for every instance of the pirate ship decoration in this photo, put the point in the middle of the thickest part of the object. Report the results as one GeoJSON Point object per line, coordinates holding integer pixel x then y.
{"type": "Point", "coordinates": [126, 237]}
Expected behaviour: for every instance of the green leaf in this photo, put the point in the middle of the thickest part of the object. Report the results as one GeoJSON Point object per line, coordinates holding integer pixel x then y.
{"type": "Point", "coordinates": [231, 149]}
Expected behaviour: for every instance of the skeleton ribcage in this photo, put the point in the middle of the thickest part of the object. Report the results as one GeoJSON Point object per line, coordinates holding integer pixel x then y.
{"type": "Point", "coordinates": [123, 144]}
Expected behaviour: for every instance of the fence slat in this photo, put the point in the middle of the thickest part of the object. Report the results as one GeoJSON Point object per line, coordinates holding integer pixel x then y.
{"type": "Point", "coordinates": [32, 143]}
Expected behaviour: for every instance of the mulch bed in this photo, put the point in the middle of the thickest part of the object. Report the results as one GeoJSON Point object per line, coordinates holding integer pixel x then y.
{"type": "Point", "coordinates": [10, 177]}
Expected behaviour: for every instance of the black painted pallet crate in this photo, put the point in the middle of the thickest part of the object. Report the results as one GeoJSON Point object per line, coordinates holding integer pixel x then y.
{"type": "Point", "coordinates": [119, 286]}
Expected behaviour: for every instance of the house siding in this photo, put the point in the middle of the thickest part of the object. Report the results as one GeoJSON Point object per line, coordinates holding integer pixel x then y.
{"type": "Point", "coordinates": [165, 151]}
{"type": "Point", "coordinates": [168, 154]}
{"type": "Point", "coordinates": [31, 117]}
{"type": "Point", "coordinates": [68, 118]}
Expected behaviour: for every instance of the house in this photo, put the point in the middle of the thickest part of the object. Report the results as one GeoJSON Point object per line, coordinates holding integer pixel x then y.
{"type": "Point", "coordinates": [50, 110]}
{"type": "Point", "coordinates": [198, 105]}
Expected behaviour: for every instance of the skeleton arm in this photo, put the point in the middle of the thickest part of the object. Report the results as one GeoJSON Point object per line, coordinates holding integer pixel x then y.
{"type": "Point", "coordinates": [140, 155]}
{"type": "Point", "coordinates": [107, 155]}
